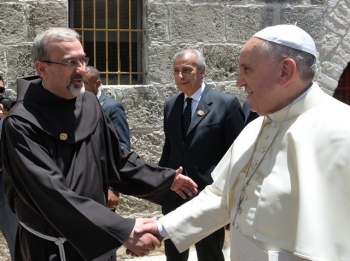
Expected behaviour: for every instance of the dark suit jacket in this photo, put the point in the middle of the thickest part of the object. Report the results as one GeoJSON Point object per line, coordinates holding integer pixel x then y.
{"type": "Point", "coordinates": [249, 115]}
{"type": "Point", "coordinates": [115, 111]}
{"type": "Point", "coordinates": [208, 138]}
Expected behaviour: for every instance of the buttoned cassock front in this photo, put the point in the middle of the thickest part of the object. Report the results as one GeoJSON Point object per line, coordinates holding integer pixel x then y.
{"type": "Point", "coordinates": [303, 204]}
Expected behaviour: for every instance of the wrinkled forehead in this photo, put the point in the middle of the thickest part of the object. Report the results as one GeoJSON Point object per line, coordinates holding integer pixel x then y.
{"type": "Point", "coordinates": [68, 46]}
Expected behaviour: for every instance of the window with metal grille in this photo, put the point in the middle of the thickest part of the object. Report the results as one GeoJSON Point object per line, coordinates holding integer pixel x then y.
{"type": "Point", "coordinates": [111, 36]}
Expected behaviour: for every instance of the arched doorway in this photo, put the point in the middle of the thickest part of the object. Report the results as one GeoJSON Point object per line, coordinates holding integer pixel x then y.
{"type": "Point", "coordinates": [342, 93]}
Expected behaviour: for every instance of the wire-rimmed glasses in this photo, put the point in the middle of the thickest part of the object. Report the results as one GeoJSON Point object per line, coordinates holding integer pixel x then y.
{"type": "Point", "coordinates": [71, 64]}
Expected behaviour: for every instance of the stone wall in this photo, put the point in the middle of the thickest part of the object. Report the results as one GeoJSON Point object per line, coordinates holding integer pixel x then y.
{"type": "Point", "coordinates": [218, 28]}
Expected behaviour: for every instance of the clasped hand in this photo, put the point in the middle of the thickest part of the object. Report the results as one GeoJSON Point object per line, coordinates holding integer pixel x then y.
{"type": "Point", "coordinates": [144, 238]}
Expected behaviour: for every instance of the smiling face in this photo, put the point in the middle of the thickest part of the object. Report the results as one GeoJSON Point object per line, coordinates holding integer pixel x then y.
{"type": "Point", "coordinates": [260, 77]}
{"type": "Point", "coordinates": [188, 77]}
{"type": "Point", "coordinates": [57, 78]}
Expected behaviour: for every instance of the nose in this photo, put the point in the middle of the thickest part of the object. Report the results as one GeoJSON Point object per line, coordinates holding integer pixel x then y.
{"type": "Point", "coordinates": [81, 68]}
{"type": "Point", "coordinates": [181, 75]}
{"type": "Point", "coordinates": [240, 81]}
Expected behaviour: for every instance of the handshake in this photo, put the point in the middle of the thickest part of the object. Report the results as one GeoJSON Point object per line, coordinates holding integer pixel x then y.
{"type": "Point", "coordinates": [144, 238]}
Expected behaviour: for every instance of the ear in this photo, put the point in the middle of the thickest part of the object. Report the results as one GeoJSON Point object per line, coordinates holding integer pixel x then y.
{"type": "Point", "coordinates": [203, 71]}
{"type": "Point", "coordinates": [288, 71]}
{"type": "Point", "coordinates": [40, 68]}
{"type": "Point", "coordinates": [98, 83]}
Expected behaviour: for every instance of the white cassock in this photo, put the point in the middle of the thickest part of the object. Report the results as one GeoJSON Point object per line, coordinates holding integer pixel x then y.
{"type": "Point", "coordinates": [296, 205]}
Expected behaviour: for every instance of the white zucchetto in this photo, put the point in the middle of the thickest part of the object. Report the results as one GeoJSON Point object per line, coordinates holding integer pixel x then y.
{"type": "Point", "coordinates": [290, 36]}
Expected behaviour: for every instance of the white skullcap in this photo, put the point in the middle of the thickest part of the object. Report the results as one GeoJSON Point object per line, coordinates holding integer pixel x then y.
{"type": "Point", "coordinates": [290, 36]}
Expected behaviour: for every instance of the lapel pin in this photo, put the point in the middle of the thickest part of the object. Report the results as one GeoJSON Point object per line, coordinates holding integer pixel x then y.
{"type": "Point", "coordinates": [200, 113]}
{"type": "Point", "coordinates": [63, 136]}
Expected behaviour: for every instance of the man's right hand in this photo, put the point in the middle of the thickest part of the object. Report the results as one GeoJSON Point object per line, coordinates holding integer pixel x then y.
{"type": "Point", "coordinates": [141, 244]}
{"type": "Point", "coordinates": [149, 226]}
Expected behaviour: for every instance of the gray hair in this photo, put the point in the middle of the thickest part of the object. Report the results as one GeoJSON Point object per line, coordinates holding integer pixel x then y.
{"type": "Point", "coordinates": [306, 62]}
{"type": "Point", "coordinates": [93, 71]}
{"type": "Point", "coordinates": [200, 58]}
{"type": "Point", "coordinates": [53, 34]}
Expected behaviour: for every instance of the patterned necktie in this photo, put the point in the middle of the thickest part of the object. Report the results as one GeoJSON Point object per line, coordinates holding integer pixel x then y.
{"type": "Point", "coordinates": [186, 116]}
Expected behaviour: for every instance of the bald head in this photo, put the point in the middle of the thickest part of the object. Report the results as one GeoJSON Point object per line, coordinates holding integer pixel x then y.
{"type": "Point", "coordinates": [92, 79]}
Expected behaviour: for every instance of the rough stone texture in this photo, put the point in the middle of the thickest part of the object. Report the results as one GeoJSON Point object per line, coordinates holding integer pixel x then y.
{"type": "Point", "coordinates": [148, 144]}
{"type": "Point", "coordinates": [327, 82]}
{"type": "Point", "coordinates": [243, 21]}
{"type": "Point", "coordinates": [4, 251]}
{"type": "Point", "coordinates": [143, 107]}
{"type": "Point", "coordinates": [166, 91]}
{"type": "Point", "coordinates": [330, 4]}
{"type": "Point", "coordinates": [341, 58]}
{"type": "Point", "coordinates": [3, 62]}
{"type": "Point", "coordinates": [128, 204]}
{"type": "Point", "coordinates": [222, 62]}
{"type": "Point", "coordinates": [339, 18]}
{"type": "Point", "coordinates": [11, 23]}
{"type": "Point", "coordinates": [38, 18]}
{"type": "Point", "coordinates": [317, 2]}
{"type": "Point", "coordinates": [112, 92]}
{"type": "Point", "coordinates": [230, 88]}
{"type": "Point", "coordinates": [196, 23]}
{"type": "Point", "coordinates": [122, 256]}
{"type": "Point", "coordinates": [310, 19]}
{"type": "Point", "coordinates": [329, 43]}
{"type": "Point", "coordinates": [157, 22]}
{"type": "Point", "coordinates": [331, 69]}
{"type": "Point", "coordinates": [280, 1]}
{"type": "Point", "coordinates": [344, 55]}
{"type": "Point", "coordinates": [20, 63]}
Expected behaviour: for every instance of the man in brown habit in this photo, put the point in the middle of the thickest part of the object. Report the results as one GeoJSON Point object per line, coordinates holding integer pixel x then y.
{"type": "Point", "coordinates": [61, 153]}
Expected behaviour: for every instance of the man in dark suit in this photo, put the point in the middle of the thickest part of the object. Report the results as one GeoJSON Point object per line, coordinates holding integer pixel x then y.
{"type": "Point", "coordinates": [198, 132]}
{"type": "Point", "coordinates": [249, 115]}
{"type": "Point", "coordinates": [115, 111]}
{"type": "Point", "coordinates": [112, 108]}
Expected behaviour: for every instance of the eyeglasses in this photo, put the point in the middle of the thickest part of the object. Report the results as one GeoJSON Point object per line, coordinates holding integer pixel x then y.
{"type": "Point", "coordinates": [72, 64]}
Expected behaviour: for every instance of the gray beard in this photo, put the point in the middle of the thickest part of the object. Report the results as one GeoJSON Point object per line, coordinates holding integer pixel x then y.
{"type": "Point", "coordinates": [76, 91]}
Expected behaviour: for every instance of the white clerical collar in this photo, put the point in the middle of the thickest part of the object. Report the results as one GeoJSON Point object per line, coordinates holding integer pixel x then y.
{"type": "Point", "coordinates": [276, 116]}
{"type": "Point", "coordinates": [197, 95]}
{"type": "Point", "coordinates": [98, 94]}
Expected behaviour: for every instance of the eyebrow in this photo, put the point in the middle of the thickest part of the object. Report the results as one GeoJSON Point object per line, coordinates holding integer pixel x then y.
{"type": "Point", "coordinates": [74, 58]}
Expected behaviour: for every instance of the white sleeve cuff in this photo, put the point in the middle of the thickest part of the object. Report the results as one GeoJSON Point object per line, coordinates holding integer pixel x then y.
{"type": "Point", "coordinates": [161, 230]}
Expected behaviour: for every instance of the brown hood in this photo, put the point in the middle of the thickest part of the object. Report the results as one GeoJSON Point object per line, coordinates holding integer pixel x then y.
{"type": "Point", "coordinates": [75, 119]}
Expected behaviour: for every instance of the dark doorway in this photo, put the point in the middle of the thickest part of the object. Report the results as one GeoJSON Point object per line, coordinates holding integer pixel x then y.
{"type": "Point", "coordinates": [342, 93]}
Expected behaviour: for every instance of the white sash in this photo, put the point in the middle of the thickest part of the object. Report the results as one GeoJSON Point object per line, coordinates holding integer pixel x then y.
{"type": "Point", "coordinates": [58, 241]}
